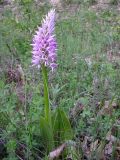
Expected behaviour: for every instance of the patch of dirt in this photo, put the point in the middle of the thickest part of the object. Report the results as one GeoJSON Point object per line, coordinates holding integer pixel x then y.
{"type": "Point", "coordinates": [104, 5]}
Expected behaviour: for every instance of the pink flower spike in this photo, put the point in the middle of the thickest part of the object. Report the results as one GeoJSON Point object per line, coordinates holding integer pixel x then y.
{"type": "Point", "coordinates": [44, 46]}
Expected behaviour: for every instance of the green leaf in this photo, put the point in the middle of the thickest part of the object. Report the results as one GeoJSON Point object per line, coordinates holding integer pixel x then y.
{"type": "Point", "coordinates": [46, 134]}
{"type": "Point", "coordinates": [61, 126]}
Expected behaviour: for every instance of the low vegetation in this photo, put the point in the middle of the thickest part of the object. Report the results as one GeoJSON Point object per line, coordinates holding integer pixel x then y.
{"type": "Point", "coordinates": [84, 91]}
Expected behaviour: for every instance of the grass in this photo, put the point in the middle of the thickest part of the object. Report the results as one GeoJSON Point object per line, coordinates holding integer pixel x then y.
{"type": "Point", "coordinates": [85, 74]}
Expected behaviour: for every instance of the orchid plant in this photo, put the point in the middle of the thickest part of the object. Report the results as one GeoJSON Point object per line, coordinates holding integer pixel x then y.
{"type": "Point", "coordinates": [55, 127]}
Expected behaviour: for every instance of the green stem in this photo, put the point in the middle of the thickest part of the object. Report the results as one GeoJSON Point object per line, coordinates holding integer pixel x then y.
{"type": "Point", "coordinates": [46, 94]}
{"type": "Point", "coordinates": [47, 109]}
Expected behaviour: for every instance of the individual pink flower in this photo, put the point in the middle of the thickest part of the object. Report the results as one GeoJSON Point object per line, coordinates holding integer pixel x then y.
{"type": "Point", "coordinates": [44, 43]}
